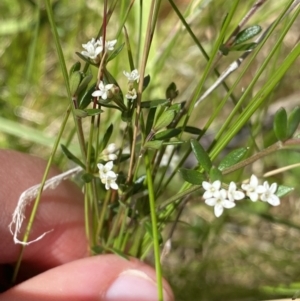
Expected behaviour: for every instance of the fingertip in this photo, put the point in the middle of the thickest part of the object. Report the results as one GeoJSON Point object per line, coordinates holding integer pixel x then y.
{"type": "Point", "coordinates": [103, 278]}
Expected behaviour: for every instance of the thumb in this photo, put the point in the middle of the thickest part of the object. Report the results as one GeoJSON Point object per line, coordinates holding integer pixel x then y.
{"type": "Point", "coordinates": [103, 278]}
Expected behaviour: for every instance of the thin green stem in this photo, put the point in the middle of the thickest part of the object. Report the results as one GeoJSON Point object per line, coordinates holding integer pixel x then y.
{"type": "Point", "coordinates": [154, 227]}
{"type": "Point", "coordinates": [38, 198]}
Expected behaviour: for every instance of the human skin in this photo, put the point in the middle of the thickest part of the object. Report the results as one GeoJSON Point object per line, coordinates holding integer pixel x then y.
{"type": "Point", "coordinates": [58, 267]}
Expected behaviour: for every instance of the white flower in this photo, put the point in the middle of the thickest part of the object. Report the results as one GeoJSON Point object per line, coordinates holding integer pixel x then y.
{"type": "Point", "coordinates": [108, 153]}
{"type": "Point", "coordinates": [211, 189]}
{"type": "Point", "coordinates": [103, 90]}
{"type": "Point", "coordinates": [110, 181]}
{"type": "Point", "coordinates": [131, 94]}
{"type": "Point", "coordinates": [104, 169]}
{"type": "Point", "coordinates": [132, 76]}
{"type": "Point", "coordinates": [253, 189]}
{"type": "Point", "coordinates": [269, 194]}
{"type": "Point", "coordinates": [234, 194]}
{"type": "Point", "coordinates": [107, 176]}
{"type": "Point", "coordinates": [109, 45]}
{"type": "Point", "coordinates": [93, 49]}
{"type": "Point", "coordinates": [219, 202]}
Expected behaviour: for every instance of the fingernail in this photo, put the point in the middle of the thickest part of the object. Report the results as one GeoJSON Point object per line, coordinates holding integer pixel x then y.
{"type": "Point", "coordinates": [133, 285]}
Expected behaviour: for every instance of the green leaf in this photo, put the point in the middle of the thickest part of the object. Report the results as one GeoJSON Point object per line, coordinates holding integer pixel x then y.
{"type": "Point", "coordinates": [172, 92]}
{"type": "Point", "coordinates": [146, 82]}
{"type": "Point", "coordinates": [154, 103]}
{"type": "Point", "coordinates": [293, 122]}
{"type": "Point", "coordinates": [193, 130]}
{"type": "Point", "coordinates": [247, 34]}
{"type": "Point", "coordinates": [75, 80]}
{"type": "Point", "coordinates": [192, 176]}
{"type": "Point", "coordinates": [280, 124]}
{"type": "Point", "coordinates": [106, 137]}
{"type": "Point", "coordinates": [80, 113]}
{"type": "Point", "coordinates": [164, 120]}
{"type": "Point", "coordinates": [233, 157]}
{"type": "Point", "coordinates": [75, 67]}
{"type": "Point", "coordinates": [175, 107]}
{"type": "Point", "coordinates": [243, 47]}
{"type": "Point", "coordinates": [201, 155]}
{"type": "Point", "coordinates": [215, 174]}
{"type": "Point", "coordinates": [283, 190]}
{"type": "Point", "coordinates": [167, 134]}
{"type": "Point", "coordinates": [84, 83]}
{"type": "Point", "coordinates": [115, 52]}
{"type": "Point", "coordinates": [87, 97]}
{"type": "Point", "coordinates": [155, 144]}
{"type": "Point", "coordinates": [150, 120]}
{"type": "Point", "coordinates": [93, 112]}
{"type": "Point", "coordinates": [71, 157]}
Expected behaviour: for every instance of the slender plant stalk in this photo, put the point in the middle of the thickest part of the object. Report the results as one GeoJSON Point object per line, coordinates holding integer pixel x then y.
{"type": "Point", "coordinates": [154, 227]}
{"type": "Point", "coordinates": [39, 195]}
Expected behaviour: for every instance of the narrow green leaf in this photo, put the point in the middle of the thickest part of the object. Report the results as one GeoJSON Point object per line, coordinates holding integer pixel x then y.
{"type": "Point", "coordinates": [106, 137]}
{"type": "Point", "coordinates": [154, 103]}
{"type": "Point", "coordinates": [155, 144]}
{"type": "Point", "coordinates": [280, 124]}
{"type": "Point", "coordinates": [150, 120]}
{"type": "Point", "coordinates": [75, 67]}
{"type": "Point", "coordinates": [75, 80]}
{"type": "Point", "coordinates": [115, 52]}
{"type": "Point", "coordinates": [93, 112]}
{"type": "Point", "coordinates": [192, 176]}
{"type": "Point", "coordinates": [146, 82]}
{"type": "Point", "coordinates": [80, 113]}
{"type": "Point", "coordinates": [233, 157]}
{"type": "Point", "coordinates": [283, 190]}
{"type": "Point", "coordinates": [71, 157]}
{"type": "Point", "coordinates": [193, 130]}
{"type": "Point", "coordinates": [175, 107]}
{"type": "Point", "coordinates": [164, 120]}
{"type": "Point", "coordinates": [293, 122]}
{"type": "Point", "coordinates": [84, 83]}
{"type": "Point", "coordinates": [243, 47]}
{"type": "Point", "coordinates": [201, 155]}
{"type": "Point", "coordinates": [247, 34]}
{"type": "Point", "coordinates": [87, 97]}
{"type": "Point", "coordinates": [215, 174]}
{"type": "Point", "coordinates": [167, 134]}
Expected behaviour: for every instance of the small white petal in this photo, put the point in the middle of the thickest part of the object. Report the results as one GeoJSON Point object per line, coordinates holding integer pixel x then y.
{"type": "Point", "coordinates": [207, 195]}
{"type": "Point", "coordinates": [114, 185]}
{"type": "Point", "coordinates": [206, 185]}
{"type": "Point", "coordinates": [218, 210]}
{"type": "Point", "coordinates": [228, 204]}
{"type": "Point", "coordinates": [274, 200]}
{"type": "Point", "coordinates": [253, 196]}
{"type": "Point", "coordinates": [211, 201]}
{"type": "Point", "coordinates": [97, 93]}
{"type": "Point", "coordinates": [238, 195]}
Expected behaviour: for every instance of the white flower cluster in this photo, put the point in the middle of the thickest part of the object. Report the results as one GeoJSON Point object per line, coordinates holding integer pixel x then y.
{"type": "Point", "coordinates": [107, 176]}
{"type": "Point", "coordinates": [222, 198]}
{"type": "Point", "coordinates": [94, 47]}
{"type": "Point", "coordinates": [132, 77]}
